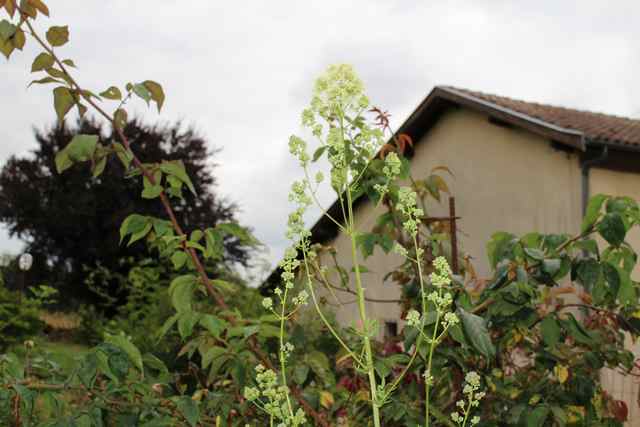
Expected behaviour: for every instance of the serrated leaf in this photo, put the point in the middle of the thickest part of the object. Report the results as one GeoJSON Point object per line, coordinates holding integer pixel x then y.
{"type": "Point", "coordinates": [62, 101]}
{"type": "Point", "coordinates": [42, 62]}
{"type": "Point", "coordinates": [157, 93]}
{"type": "Point", "coordinates": [112, 93]}
{"type": "Point", "coordinates": [58, 36]}
{"type": "Point", "coordinates": [476, 331]}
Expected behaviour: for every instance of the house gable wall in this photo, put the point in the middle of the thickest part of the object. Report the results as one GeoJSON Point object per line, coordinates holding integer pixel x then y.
{"type": "Point", "coordinates": [505, 179]}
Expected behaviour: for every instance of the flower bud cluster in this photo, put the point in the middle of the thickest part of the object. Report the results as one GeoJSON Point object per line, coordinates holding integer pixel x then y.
{"type": "Point", "coordinates": [472, 400]}
{"type": "Point", "coordinates": [271, 397]}
{"type": "Point", "coordinates": [407, 204]}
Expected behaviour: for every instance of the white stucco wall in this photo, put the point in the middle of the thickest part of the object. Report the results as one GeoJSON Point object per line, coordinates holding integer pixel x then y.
{"type": "Point", "coordinates": [504, 179]}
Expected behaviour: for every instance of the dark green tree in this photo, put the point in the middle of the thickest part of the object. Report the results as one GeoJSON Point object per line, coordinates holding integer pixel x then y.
{"type": "Point", "coordinates": [70, 221]}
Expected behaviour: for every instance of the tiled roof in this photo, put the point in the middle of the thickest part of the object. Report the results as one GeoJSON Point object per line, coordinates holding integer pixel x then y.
{"type": "Point", "coordinates": [595, 126]}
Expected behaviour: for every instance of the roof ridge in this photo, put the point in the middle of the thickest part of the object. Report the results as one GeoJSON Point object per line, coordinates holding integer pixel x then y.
{"type": "Point", "coordinates": [485, 96]}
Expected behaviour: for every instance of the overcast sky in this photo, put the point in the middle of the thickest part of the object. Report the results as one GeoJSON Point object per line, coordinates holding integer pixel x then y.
{"type": "Point", "coordinates": [241, 71]}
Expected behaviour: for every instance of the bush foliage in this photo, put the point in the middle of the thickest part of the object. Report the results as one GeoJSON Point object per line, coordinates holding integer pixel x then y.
{"type": "Point", "coordinates": [527, 348]}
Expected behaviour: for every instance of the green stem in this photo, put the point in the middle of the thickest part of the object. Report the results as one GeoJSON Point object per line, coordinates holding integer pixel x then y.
{"type": "Point", "coordinates": [281, 353]}
{"type": "Point", "coordinates": [428, 379]}
{"type": "Point", "coordinates": [363, 313]}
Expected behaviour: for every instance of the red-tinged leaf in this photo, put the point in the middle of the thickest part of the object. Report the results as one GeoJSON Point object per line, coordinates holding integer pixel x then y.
{"type": "Point", "coordinates": [42, 62]}
{"type": "Point", "coordinates": [386, 148]}
{"type": "Point", "coordinates": [27, 9]}
{"type": "Point", "coordinates": [39, 4]}
{"type": "Point", "coordinates": [45, 80]}
{"type": "Point", "coordinates": [19, 39]}
{"type": "Point", "coordinates": [442, 168]}
{"type": "Point", "coordinates": [62, 101]}
{"type": "Point", "coordinates": [10, 6]}
{"type": "Point", "coordinates": [157, 93]}
{"type": "Point", "coordinates": [403, 140]}
{"type": "Point", "coordinates": [6, 48]}
{"type": "Point", "coordinates": [58, 36]}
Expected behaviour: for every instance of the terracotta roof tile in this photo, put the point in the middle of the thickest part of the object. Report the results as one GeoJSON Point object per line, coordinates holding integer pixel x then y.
{"type": "Point", "coordinates": [595, 126]}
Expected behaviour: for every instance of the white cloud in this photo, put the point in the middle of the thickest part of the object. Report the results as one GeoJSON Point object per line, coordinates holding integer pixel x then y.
{"type": "Point", "coordinates": [241, 71]}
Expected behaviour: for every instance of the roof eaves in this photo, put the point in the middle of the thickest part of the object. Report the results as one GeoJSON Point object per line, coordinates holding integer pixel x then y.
{"type": "Point", "coordinates": [568, 136]}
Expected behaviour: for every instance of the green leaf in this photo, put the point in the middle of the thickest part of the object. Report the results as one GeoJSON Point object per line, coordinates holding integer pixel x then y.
{"type": "Point", "coordinates": [82, 147]}
{"type": "Point", "coordinates": [577, 331]}
{"type": "Point", "coordinates": [42, 62]}
{"type": "Point", "coordinates": [538, 416]}
{"type": "Point", "coordinates": [128, 347]}
{"type": "Point", "coordinates": [213, 324]}
{"type": "Point", "coordinates": [120, 118]}
{"type": "Point", "coordinates": [142, 92]}
{"type": "Point", "coordinates": [188, 408]}
{"type": "Point", "coordinates": [237, 231]}
{"type": "Point", "coordinates": [6, 47]}
{"type": "Point", "coordinates": [58, 36]}
{"type": "Point", "coordinates": [179, 258]}
{"type": "Point", "coordinates": [588, 272]}
{"type": "Point", "coordinates": [477, 333]}
{"type": "Point", "coordinates": [152, 192]}
{"type": "Point", "coordinates": [550, 331]}
{"type": "Point", "coordinates": [318, 153]}
{"type": "Point", "coordinates": [592, 212]}
{"type": "Point", "coordinates": [612, 228]}
{"type": "Point", "coordinates": [45, 80]}
{"type": "Point", "coordinates": [136, 225]}
{"type": "Point", "coordinates": [534, 253]}
{"type": "Point", "coordinates": [626, 293]}
{"type": "Point", "coordinates": [62, 101]}
{"type": "Point", "coordinates": [211, 354]}
{"type": "Point", "coordinates": [19, 39]}
{"type": "Point", "coordinates": [181, 291]}
{"type": "Point", "coordinates": [498, 246]}
{"type": "Point", "coordinates": [157, 93]}
{"type": "Point", "coordinates": [176, 169]}
{"type": "Point", "coordinates": [69, 63]}
{"type": "Point", "coordinates": [366, 242]}
{"type": "Point", "coordinates": [319, 364]}
{"type": "Point", "coordinates": [300, 373]}
{"type": "Point", "coordinates": [7, 29]}
{"type": "Point", "coordinates": [168, 324]}
{"type": "Point", "coordinates": [112, 93]}
{"type": "Point", "coordinates": [186, 322]}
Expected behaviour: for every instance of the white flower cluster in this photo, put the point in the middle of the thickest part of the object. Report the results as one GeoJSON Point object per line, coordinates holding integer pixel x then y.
{"type": "Point", "coordinates": [413, 318]}
{"type": "Point", "coordinates": [407, 204]}
{"type": "Point", "coordinates": [298, 147]}
{"type": "Point", "coordinates": [271, 398]}
{"type": "Point", "coordinates": [472, 396]}
{"type": "Point", "coordinates": [287, 349]}
{"type": "Point", "coordinates": [442, 274]}
{"type": "Point", "coordinates": [391, 170]}
{"type": "Point", "coordinates": [400, 250]}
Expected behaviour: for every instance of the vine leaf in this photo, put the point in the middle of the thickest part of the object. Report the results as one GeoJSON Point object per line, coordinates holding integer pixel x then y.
{"type": "Point", "coordinates": [156, 91]}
